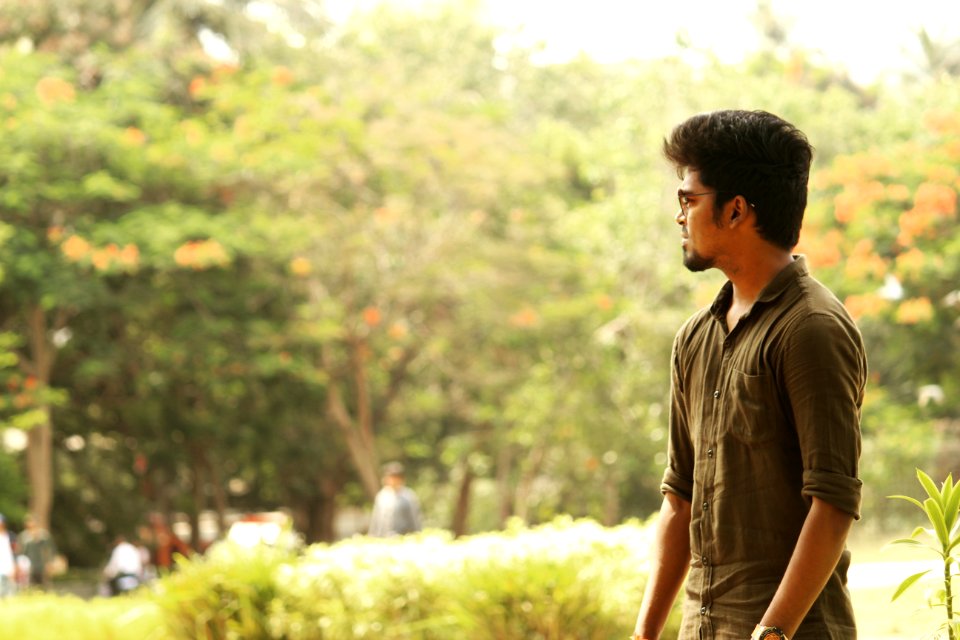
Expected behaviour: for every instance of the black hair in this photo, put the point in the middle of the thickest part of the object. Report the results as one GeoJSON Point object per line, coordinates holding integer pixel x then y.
{"type": "Point", "coordinates": [754, 154]}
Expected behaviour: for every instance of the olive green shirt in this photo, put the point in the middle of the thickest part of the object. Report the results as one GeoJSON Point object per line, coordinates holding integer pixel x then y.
{"type": "Point", "coordinates": [764, 418]}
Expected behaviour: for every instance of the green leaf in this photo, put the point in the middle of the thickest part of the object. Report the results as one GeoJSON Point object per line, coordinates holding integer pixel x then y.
{"type": "Point", "coordinates": [952, 505]}
{"type": "Point", "coordinates": [908, 499]}
{"type": "Point", "coordinates": [929, 486]}
{"type": "Point", "coordinates": [906, 584]}
{"type": "Point", "coordinates": [935, 513]}
{"type": "Point", "coordinates": [908, 541]}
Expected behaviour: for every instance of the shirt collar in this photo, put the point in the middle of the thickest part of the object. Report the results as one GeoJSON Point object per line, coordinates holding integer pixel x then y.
{"type": "Point", "coordinates": [780, 283]}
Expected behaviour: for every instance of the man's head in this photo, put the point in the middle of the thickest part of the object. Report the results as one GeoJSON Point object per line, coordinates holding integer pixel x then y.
{"type": "Point", "coordinates": [753, 154]}
{"type": "Point", "coordinates": [393, 474]}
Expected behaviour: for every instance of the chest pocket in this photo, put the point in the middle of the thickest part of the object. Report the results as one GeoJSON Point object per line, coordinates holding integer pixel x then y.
{"type": "Point", "coordinates": [752, 411]}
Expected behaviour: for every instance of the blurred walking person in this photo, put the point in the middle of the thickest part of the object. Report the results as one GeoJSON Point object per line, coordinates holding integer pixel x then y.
{"type": "Point", "coordinates": [37, 546]}
{"type": "Point", "coordinates": [396, 509]}
{"type": "Point", "coordinates": [124, 571]}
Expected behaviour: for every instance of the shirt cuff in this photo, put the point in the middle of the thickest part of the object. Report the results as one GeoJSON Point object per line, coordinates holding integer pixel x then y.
{"type": "Point", "coordinates": [674, 483]}
{"type": "Point", "coordinates": [836, 489]}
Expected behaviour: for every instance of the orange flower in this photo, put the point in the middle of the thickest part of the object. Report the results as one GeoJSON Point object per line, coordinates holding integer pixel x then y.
{"type": "Point", "coordinates": [101, 260]}
{"type": "Point", "coordinates": [604, 302]}
{"type": "Point", "coordinates": [398, 331]}
{"type": "Point", "coordinates": [525, 318]}
{"type": "Point", "coordinates": [51, 90]}
{"type": "Point", "coordinates": [372, 316]}
{"type": "Point", "coordinates": [185, 255]}
{"type": "Point", "coordinates": [75, 248]}
{"type": "Point", "coordinates": [134, 137]}
{"type": "Point", "coordinates": [300, 266]}
{"type": "Point", "coordinates": [913, 224]}
{"type": "Point", "coordinates": [914, 311]}
{"type": "Point", "coordinates": [281, 76]}
{"type": "Point", "coordinates": [197, 85]}
{"type": "Point", "coordinates": [936, 198]}
{"type": "Point", "coordinates": [845, 206]}
{"type": "Point", "coordinates": [130, 255]}
{"type": "Point", "coordinates": [862, 306]}
{"type": "Point", "coordinates": [823, 251]}
{"type": "Point", "coordinates": [910, 263]}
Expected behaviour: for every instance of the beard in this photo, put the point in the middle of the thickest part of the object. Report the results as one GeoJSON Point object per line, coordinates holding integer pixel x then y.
{"type": "Point", "coordinates": [695, 262]}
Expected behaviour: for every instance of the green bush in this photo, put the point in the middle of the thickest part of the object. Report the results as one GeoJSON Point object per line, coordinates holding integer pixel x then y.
{"type": "Point", "coordinates": [41, 616]}
{"type": "Point", "coordinates": [569, 580]}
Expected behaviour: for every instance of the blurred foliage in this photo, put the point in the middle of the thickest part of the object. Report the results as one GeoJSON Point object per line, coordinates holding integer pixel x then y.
{"type": "Point", "coordinates": [242, 283]}
{"type": "Point", "coordinates": [563, 580]}
{"type": "Point", "coordinates": [42, 616]}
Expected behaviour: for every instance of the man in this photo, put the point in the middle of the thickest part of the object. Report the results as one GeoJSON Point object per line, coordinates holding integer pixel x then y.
{"type": "Point", "coordinates": [124, 570]}
{"type": "Point", "coordinates": [396, 510]}
{"type": "Point", "coordinates": [761, 484]}
{"type": "Point", "coordinates": [8, 564]}
{"type": "Point", "coordinates": [36, 544]}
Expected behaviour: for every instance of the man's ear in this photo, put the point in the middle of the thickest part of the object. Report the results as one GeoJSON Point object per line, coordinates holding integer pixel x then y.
{"type": "Point", "coordinates": [739, 208]}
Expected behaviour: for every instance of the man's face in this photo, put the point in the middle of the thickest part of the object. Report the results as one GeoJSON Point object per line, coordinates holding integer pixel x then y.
{"type": "Point", "coordinates": [699, 231]}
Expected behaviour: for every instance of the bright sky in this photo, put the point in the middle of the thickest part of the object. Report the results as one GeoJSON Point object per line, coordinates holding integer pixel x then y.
{"type": "Point", "coordinates": [868, 38]}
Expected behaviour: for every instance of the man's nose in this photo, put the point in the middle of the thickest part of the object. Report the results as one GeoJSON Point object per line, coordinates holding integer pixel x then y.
{"type": "Point", "coordinates": [681, 217]}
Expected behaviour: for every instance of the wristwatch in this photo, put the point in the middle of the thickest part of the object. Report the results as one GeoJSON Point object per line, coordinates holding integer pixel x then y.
{"type": "Point", "coordinates": [761, 632]}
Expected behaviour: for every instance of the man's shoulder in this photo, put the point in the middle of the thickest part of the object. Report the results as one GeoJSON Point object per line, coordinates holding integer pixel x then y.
{"type": "Point", "coordinates": [817, 303]}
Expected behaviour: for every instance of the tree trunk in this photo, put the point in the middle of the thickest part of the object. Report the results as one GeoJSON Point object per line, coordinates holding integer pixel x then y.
{"type": "Point", "coordinates": [316, 514]}
{"type": "Point", "coordinates": [40, 470]}
{"type": "Point", "coordinates": [326, 511]}
{"type": "Point", "coordinates": [461, 511]}
{"type": "Point", "coordinates": [40, 438]}
{"type": "Point", "coordinates": [357, 432]}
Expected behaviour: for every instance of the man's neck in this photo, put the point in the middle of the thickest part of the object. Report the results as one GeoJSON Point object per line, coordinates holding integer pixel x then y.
{"type": "Point", "coordinates": [750, 276]}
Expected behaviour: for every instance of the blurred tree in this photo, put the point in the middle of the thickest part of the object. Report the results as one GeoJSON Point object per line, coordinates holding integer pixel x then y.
{"type": "Point", "coordinates": [240, 28]}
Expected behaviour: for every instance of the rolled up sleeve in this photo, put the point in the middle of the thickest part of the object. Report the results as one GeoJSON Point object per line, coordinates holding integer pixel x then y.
{"type": "Point", "coordinates": [824, 374]}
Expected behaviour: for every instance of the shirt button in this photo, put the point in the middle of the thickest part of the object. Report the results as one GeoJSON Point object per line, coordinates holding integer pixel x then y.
{"type": "Point", "coordinates": [705, 561]}
{"type": "Point", "coordinates": [706, 506]}
{"type": "Point", "coordinates": [716, 394]}
{"type": "Point", "coordinates": [709, 453]}
{"type": "Point", "coordinates": [703, 611]}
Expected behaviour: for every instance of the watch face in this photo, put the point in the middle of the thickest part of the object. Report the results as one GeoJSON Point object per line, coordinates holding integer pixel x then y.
{"type": "Point", "coordinates": [771, 635]}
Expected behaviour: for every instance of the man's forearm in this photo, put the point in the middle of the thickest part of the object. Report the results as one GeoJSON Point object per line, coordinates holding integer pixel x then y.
{"type": "Point", "coordinates": [668, 567]}
{"type": "Point", "coordinates": [815, 557]}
